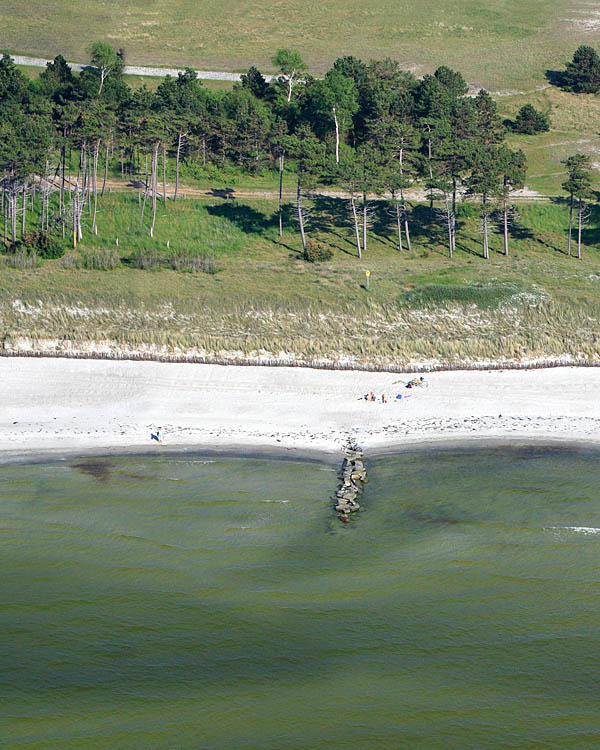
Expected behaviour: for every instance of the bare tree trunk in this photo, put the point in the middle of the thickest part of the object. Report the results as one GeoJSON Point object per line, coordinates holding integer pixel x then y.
{"type": "Point", "coordinates": [570, 223]}
{"type": "Point", "coordinates": [281, 157]}
{"type": "Point", "coordinates": [81, 194]}
{"type": "Point", "coordinates": [337, 137]}
{"type": "Point", "coordinates": [95, 183]}
{"type": "Point", "coordinates": [364, 227]}
{"type": "Point", "coordinates": [61, 196]}
{"type": "Point", "coordinates": [355, 218]}
{"type": "Point", "coordinates": [454, 196]}
{"type": "Point", "coordinates": [154, 180]}
{"type": "Point", "coordinates": [105, 171]}
{"type": "Point", "coordinates": [404, 212]}
{"type": "Point", "coordinates": [399, 225]}
{"type": "Point", "coordinates": [164, 174]}
{"type": "Point", "coordinates": [579, 226]}
{"type": "Point", "coordinates": [143, 207]}
{"type": "Point", "coordinates": [203, 151]}
{"type": "Point", "coordinates": [430, 172]}
{"type": "Point", "coordinates": [13, 208]}
{"type": "Point", "coordinates": [24, 209]}
{"type": "Point", "coordinates": [449, 221]}
{"type": "Point", "coordinates": [177, 156]}
{"type": "Point", "coordinates": [300, 216]}
{"type": "Point", "coordinates": [43, 212]}
{"type": "Point", "coordinates": [505, 222]}
{"type": "Point", "coordinates": [486, 252]}
{"type": "Point", "coordinates": [398, 219]}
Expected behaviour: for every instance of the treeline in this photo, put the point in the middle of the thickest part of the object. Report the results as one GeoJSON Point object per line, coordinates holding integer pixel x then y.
{"type": "Point", "coordinates": [372, 129]}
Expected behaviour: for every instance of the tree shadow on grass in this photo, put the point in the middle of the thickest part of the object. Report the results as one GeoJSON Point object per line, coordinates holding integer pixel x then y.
{"type": "Point", "coordinates": [226, 193]}
{"type": "Point", "coordinates": [590, 234]}
{"type": "Point", "coordinates": [332, 216]}
{"type": "Point", "coordinates": [556, 78]}
{"type": "Point", "coordinates": [433, 234]}
{"type": "Point", "coordinates": [248, 219]}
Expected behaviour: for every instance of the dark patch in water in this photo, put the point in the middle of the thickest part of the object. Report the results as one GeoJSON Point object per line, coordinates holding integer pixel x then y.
{"type": "Point", "coordinates": [100, 470]}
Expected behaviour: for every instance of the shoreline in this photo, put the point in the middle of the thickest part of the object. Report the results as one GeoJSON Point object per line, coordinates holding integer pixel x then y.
{"type": "Point", "coordinates": [441, 444]}
{"type": "Point", "coordinates": [59, 408]}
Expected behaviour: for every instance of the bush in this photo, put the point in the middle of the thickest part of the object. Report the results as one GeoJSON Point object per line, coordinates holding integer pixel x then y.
{"type": "Point", "coordinates": [98, 259]}
{"type": "Point", "coordinates": [178, 260]}
{"type": "Point", "coordinates": [147, 260]}
{"type": "Point", "coordinates": [21, 259]}
{"type": "Point", "coordinates": [466, 210]}
{"type": "Point", "coordinates": [529, 120]}
{"type": "Point", "coordinates": [317, 251]}
{"type": "Point", "coordinates": [181, 261]}
{"type": "Point", "coordinates": [39, 243]}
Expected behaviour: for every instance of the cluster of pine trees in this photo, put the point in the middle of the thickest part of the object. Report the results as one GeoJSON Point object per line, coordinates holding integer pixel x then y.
{"type": "Point", "coordinates": [372, 129]}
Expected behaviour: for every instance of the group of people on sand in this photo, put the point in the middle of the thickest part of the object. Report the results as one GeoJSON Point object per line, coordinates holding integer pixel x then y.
{"type": "Point", "coordinates": [370, 396]}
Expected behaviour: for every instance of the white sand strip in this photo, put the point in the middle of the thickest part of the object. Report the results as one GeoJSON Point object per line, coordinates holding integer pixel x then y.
{"type": "Point", "coordinates": [83, 406]}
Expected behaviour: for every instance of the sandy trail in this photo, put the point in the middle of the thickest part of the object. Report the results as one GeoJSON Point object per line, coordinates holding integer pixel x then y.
{"type": "Point", "coordinates": [186, 191]}
{"type": "Point", "coordinates": [68, 407]}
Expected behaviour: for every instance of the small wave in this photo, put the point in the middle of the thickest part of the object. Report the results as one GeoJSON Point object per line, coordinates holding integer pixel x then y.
{"type": "Point", "coordinates": [576, 529]}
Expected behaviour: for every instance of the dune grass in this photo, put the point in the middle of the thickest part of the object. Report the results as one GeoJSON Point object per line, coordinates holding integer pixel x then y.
{"type": "Point", "coordinates": [264, 300]}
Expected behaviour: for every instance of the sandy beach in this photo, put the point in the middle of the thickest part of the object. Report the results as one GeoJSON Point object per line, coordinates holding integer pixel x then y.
{"type": "Point", "coordinates": [65, 407]}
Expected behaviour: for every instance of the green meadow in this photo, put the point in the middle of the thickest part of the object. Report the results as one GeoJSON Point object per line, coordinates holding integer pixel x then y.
{"type": "Point", "coordinates": [506, 44]}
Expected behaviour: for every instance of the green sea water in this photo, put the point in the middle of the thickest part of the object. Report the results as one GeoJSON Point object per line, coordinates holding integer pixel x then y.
{"type": "Point", "coordinates": [188, 602]}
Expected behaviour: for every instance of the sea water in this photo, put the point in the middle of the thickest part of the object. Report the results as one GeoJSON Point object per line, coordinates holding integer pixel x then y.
{"type": "Point", "coordinates": [190, 602]}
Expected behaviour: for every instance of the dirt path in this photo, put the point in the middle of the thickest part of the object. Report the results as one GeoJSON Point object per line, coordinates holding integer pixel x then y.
{"type": "Point", "coordinates": [219, 75]}
{"type": "Point", "coordinates": [138, 70]}
{"type": "Point", "coordinates": [187, 191]}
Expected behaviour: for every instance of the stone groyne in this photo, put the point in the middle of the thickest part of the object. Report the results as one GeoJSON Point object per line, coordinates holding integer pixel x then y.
{"type": "Point", "coordinates": [353, 475]}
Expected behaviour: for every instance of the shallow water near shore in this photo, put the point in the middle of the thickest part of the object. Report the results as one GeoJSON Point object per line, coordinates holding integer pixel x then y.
{"type": "Point", "coordinates": [218, 603]}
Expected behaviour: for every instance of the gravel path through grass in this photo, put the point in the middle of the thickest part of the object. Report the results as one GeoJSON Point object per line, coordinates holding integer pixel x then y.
{"type": "Point", "coordinates": [137, 70]}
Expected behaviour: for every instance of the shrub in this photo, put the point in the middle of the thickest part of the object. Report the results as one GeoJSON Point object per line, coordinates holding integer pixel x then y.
{"type": "Point", "coordinates": [147, 260]}
{"type": "Point", "coordinates": [37, 242]}
{"type": "Point", "coordinates": [204, 262]}
{"type": "Point", "coordinates": [22, 258]}
{"type": "Point", "coordinates": [98, 259]}
{"type": "Point", "coordinates": [529, 120]}
{"type": "Point", "coordinates": [466, 210]}
{"type": "Point", "coordinates": [317, 251]}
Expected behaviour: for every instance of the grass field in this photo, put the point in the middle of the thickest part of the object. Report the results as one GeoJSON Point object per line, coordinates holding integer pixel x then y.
{"type": "Point", "coordinates": [574, 130]}
{"type": "Point", "coordinates": [265, 300]}
{"type": "Point", "coordinates": [499, 44]}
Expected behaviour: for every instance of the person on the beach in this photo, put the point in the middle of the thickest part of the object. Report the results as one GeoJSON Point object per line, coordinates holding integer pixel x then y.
{"type": "Point", "coordinates": [383, 399]}
{"type": "Point", "coordinates": [159, 434]}
{"type": "Point", "coordinates": [371, 396]}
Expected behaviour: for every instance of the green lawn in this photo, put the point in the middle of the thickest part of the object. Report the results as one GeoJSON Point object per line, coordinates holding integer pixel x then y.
{"type": "Point", "coordinates": [500, 44]}
{"type": "Point", "coordinates": [574, 118]}
{"type": "Point", "coordinates": [265, 298]}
